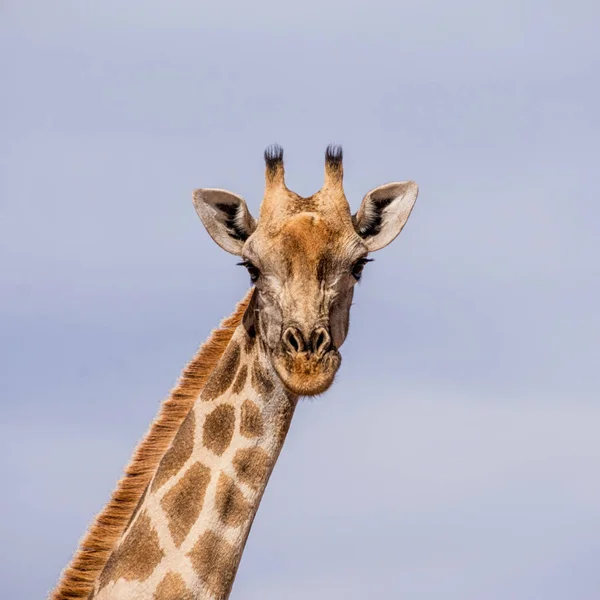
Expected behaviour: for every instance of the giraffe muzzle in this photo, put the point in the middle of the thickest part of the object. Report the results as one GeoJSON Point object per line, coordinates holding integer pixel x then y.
{"type": "Point", "coordinates": [307, 363]}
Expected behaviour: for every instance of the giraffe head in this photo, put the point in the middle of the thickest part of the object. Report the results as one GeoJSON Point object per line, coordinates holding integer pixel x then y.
{"type": "Point", "coordinates": [304, 256]}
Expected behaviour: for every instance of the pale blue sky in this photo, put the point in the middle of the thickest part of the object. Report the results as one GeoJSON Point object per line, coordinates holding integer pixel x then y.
{"type": "Point", "coordinates": [457, 456]}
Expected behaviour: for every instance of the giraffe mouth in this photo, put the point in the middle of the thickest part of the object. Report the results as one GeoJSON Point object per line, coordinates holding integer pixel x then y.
{"type": "Point", "coordinates": [305, 374]}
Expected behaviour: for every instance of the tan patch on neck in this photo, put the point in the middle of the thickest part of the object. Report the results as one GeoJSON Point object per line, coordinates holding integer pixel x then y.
{"type": "Point", "coordinates": [179, 452]}
{"type": "Point", "coordinates": [230, 502]}
{"type": "Point", "coordinates": [251, 424]}
{"type": "Point", "coordinates": [183, 503]}
{"type": "Point", "coordinates": [252, 466]}
{"type": "Point", "coordinates": [138, 555]}
{"type": "Point", "coordinates": [223, 375]}
{"type": "Point", "coordinates": [240, 380]}
{"type": "Point", "coordinates": [172, 587]}
{"type": "Point", "coordinates": [261, 383]}
{"type": "Point", "coordinates": [215, 561]}
{"type": "Point", "coordinates": [284, 420]}
{"type": "Point", "coordinates": [218, 428]}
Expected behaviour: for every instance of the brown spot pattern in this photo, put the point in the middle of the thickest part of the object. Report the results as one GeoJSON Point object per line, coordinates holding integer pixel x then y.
{"type": "Point", "coordinates": [240, 380]}
{"type": "Point", "coordinates": [261, 383]}
{"type": "Point", "coordinates": [172, 587]}
{"type": "Point", "coordinates": [222, 377]}
{"type": "Point", "coordinates": [218, 428]}
{"type": "Point", "coordinates": [251, 424]}
{"type": "Point", "coordinates": [137, 557]}
{"type": "Point", "coordinates": [183, 503]}
{"type": "Point", "coordinates": [81, 574]}
{"type": "Point", "coordinates": [179, 452]}
{"type": "Point", "coordinates": [232, 508]}
{"type": "Point", "coordinates": [215, 561]}
{"type": "Point", "coordinates": [252, 466]}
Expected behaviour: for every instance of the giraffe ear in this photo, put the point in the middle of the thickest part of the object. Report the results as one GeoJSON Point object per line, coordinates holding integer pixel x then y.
{"type": "Point", "coordinates": [383, 213]}
{"type": "Point", "coordinates": [226, 218]}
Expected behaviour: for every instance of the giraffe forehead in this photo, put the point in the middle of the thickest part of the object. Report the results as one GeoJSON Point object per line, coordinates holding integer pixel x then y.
{"type": "Point", "coordinates": [305, 239]}
{"type": "Point", "coordinates": [306, 236]}
{"type": "Point", "coordinates": [308, 225]}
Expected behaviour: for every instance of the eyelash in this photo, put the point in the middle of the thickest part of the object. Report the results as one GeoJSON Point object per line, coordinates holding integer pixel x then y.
{"type": "Point", "coordinates": [358, 266]}
{"type": "Point", "coordinates": [253, 271]}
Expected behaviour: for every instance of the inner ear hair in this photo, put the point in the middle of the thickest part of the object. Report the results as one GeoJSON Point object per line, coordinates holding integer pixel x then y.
{"type": "Point", "coordinates": [372, 218]}
{"type": "Point", "coordinates": [234, 220]}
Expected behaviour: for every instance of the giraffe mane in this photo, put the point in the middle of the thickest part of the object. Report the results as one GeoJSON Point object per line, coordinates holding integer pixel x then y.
{"type": "Point", "coordinates": [78, 578]}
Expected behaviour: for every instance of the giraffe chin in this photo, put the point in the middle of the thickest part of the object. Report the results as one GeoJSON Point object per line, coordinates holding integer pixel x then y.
{"type": "Point", "coordinates": [305, 375]}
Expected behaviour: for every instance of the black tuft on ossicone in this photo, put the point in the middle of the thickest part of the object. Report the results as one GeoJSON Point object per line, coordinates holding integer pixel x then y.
{"type": "Point", "coordinates": [334, 155]}
{"type": "Point", "coordinates": [273, 157]}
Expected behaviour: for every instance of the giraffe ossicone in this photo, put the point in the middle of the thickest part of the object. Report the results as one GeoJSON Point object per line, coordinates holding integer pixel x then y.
{"type": "Point", "coordinates": [177, 524]}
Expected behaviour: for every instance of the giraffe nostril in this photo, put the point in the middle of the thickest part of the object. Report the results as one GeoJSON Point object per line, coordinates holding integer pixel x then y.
{"type": "Point", "coordinates": [293, 340]}
{"type": "Point", "coordinates": [321, 340]}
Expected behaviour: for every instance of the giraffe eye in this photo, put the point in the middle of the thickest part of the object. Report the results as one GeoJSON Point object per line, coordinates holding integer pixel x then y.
{"type": "Point", "coordinates": [253, 271]}
{"type": "Point", "coordinates": [358, 266]}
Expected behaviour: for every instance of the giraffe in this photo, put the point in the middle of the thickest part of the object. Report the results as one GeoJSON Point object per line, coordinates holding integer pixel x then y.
{"type": "Point", "coordinates": [177, 525]}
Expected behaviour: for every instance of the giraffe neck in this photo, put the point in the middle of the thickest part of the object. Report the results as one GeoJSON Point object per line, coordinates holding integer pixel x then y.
{"type": "Point", "coordinates": [186, 538]}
